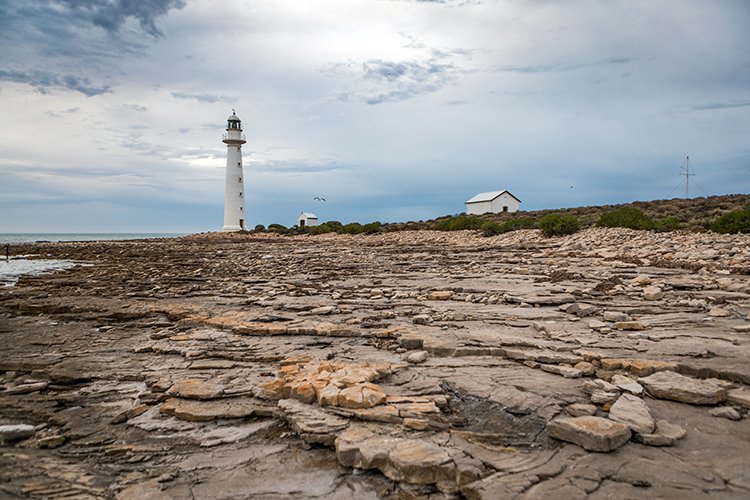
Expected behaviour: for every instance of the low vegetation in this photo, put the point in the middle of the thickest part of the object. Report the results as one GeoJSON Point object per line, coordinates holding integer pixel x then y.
{"type": "Point", "coordinates": [628, 217]}
{"type": "Point", "coordinates": [326, 227]}
{"type": "Point", "coordinates": [459, 223]}
{"type": "Point", "coordinates": [736, 221]}
{"type": "Point", "coordinates": [724, 214]}
{"type": "Point", "coordinates": [558, 225]}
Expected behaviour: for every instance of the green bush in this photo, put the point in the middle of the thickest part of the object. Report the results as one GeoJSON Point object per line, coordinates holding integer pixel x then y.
{"type": "Point", "coordinates": [334, 225]}
{"type": "Point", "coordinates": [277, 228]}
{"type": "Point", "coordinates": [520, 223]}
{"type": "Point", "coordinates": [259, 228]}
{"type": "Point", "coordinates": [351, 228]}
{"type": "Point", "coordinates": [556, 225]}
{"type": "Point", "coordinates": [458, 223]}
{"type": "Point", "coordinates": [666, 224]}
{"type": "Point", "coordinates": [490, 228]}
{"type": "Point", "coordinates": [372, 228]}
{"type": "Point", "coordinates": [737, 221]}
{"type": "Point", "coordinates": [319, 229]}
{"type": "Point", "coordinates": [628, 217]}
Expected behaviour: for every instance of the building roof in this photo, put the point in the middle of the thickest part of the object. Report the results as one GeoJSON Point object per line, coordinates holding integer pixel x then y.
{"type": "Point", "coordinates": [308, 215]}
{"type": "Point", "coordinates": [489, 196]}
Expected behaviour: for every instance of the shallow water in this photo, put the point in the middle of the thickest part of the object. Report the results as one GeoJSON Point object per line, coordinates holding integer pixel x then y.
{"type": "Point", "coordinates": [14, 268]}
{"type": "Point", "coordinates": [32, 237]}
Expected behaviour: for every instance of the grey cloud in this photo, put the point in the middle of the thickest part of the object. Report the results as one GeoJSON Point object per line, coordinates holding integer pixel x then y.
{"type": "Point", "coordinates": [559, 67]}
{"type": "Point", "coordinates": [209, 98]}
{"type": "Point", "coordinates": [398, 81]}
{"type": "Point", "coordinates": [43, 81]}
{"type": "Point", "coordinates": [721, 105]}
{"type": "Point", "coordinates": [457, 102]}
{"type": "Point", "coordinates": [112, 14]}
{"type": "Point", "coordinates": [295, 167]}
{"type": "Point", "coordinates": [379, 80]}
{"type": "Point", "coordinates": [135, 107]}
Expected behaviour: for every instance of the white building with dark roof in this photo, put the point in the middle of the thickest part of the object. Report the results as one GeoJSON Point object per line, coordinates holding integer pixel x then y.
{"type": "Point", "coordinates": [493, 202]}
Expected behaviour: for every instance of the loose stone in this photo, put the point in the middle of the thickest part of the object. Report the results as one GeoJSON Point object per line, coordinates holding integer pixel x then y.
{"type": "Point", "coordinates": [725, 412]}
{"type": "Point", "coordinates": [633, 412]}
{"type": "Point", "coordinates": [671, 385]}
{"type": "Point", "coordinates": [15, 432]}
{"type": "Point", "coordinates": [590, 433]}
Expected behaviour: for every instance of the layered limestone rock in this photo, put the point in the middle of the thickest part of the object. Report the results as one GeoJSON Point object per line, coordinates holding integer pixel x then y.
{"type": "Point", "coordinates": [671, 385]}
{"type": "Point", "coordinates": [262, 366]}
{"type": "Point", "coordinates": [633, 412]}
{"type": "Point", "coordinates": [329, 384]}
{"type": "Point", "coordinates": [590, 433]}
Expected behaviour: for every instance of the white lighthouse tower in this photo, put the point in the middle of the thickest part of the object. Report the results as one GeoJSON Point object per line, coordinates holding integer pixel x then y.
{"type": "Point", "coordinates": [234, 192]}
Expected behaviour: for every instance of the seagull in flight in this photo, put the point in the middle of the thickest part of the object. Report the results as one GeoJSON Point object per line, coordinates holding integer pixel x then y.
{"type": "Point", "coordinates": [319, 199]}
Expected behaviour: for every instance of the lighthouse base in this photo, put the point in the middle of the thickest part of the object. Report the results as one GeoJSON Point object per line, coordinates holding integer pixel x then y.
{"type": "Point", "coordinates": [230, 229]}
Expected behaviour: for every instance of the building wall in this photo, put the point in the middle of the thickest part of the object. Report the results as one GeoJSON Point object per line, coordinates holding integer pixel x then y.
{"type": "Point", "coordinates": [494, 206]}
{"type": "Point", "coordinates": [505, 200]}
{"type": "Point", "coordinates": [307, 222]}
{"type": "Point", "coordinates": [479, 208]}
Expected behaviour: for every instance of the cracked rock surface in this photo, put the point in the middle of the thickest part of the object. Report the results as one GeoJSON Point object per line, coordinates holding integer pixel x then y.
{"type": "Point", "coordinates": [605, 364]}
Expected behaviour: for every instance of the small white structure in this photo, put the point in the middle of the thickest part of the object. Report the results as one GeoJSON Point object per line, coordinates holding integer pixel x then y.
{"type": "Point", "coordinates": [307, 219]}
{"type": "Point", "coordinates": [234, 191]}
{"type": "Point", "coordinates": [493, 202]}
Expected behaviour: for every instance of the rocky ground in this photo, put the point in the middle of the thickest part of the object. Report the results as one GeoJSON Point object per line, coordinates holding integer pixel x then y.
{"type": "Point", "coordinates": [606, 364]}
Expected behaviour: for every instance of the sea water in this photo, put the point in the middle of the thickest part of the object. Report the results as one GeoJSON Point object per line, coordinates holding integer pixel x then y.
{"type": "Point", "coordinates": [32, 237]}
{"type": "Point", "coordinates": [17, 266]}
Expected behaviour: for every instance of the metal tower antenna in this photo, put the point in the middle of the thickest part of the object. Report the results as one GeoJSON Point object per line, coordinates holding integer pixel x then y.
{"type": "Point", "coordinates": [685, 170]}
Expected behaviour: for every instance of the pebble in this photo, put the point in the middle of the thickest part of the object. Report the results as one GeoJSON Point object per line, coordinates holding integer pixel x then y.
{"type": "Point", "coordinates": [725, 412]}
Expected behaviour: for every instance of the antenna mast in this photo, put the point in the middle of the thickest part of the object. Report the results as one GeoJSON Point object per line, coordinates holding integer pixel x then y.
{"type": "Point", "coordinates": [686, 172]}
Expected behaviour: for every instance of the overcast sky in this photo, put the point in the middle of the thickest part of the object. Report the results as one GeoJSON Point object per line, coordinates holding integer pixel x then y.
{"type": "Point", "coordinates": [112, 111]}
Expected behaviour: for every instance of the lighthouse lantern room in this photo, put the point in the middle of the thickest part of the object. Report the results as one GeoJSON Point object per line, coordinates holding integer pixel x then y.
{"type": "Point", "coordinates": [234, 192]}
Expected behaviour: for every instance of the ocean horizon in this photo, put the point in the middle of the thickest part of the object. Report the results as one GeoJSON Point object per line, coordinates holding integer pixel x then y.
{"type": "Point", "coordinates": [57, 237]}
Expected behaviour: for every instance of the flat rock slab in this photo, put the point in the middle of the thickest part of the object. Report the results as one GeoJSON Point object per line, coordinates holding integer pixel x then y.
{"type": "Point", "coordinates": [15, 432]}
{"type": "Point", "coordinates": [633, 412]}
{"type": "Point", "coordinates": [590, 433]}
{"type": "Point", "coordinates": [627, 384]}
{"type": "Point", "coordinates": [313, 424]}
{"type": "Point", "coordinates": [192, 388]}
{"type": "Point", "coordinates": [665, 434]}
{"type": "Point", "coordinates": [676, 387]}
{"type": "Point", "coordinates": [412, 460]}
{"type": "Point", "coordinates": [233, 434]}
{"type": "Point", "coordinates": [203, 411]}
{"type": "Point", "coordinates": [739, 397]}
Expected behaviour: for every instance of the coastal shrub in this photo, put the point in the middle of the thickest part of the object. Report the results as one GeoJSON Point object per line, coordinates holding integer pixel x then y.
{"type": "Point", "coordinates": [736, 221]}
{"type": "Point", "coordinates": [628, 217]}
{"type": "Point", "coordinates": [372, 228]}
{"type": "Point", "coordinates": [490, 228]}
{"type": "Point", "coordinates": [558, 225]}
{"type": "Point", "coordinates": [334, 225]}
{"type": "Point", "coordinates": [520, 223]}
{"type": "Point", "coordinates": [277, 228]}
{"type": "Point", "coordinates": [351, 228]}
{"type": "Point", "coordinates": [666, 224]}
{"type": "Point", "coordinates": [259, 228]}
{"type": "Point", "coordinates": [458, 223]}
{"type": "Point", "coordinates": [319, 229]}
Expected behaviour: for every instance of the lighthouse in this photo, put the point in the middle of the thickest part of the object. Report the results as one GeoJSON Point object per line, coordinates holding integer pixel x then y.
{"type": "Point", "coordinates": [234, 192]}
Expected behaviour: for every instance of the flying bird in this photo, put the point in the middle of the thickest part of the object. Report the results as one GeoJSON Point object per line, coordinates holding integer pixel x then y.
{"type": "Point", "coordinates": [319, 199]}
